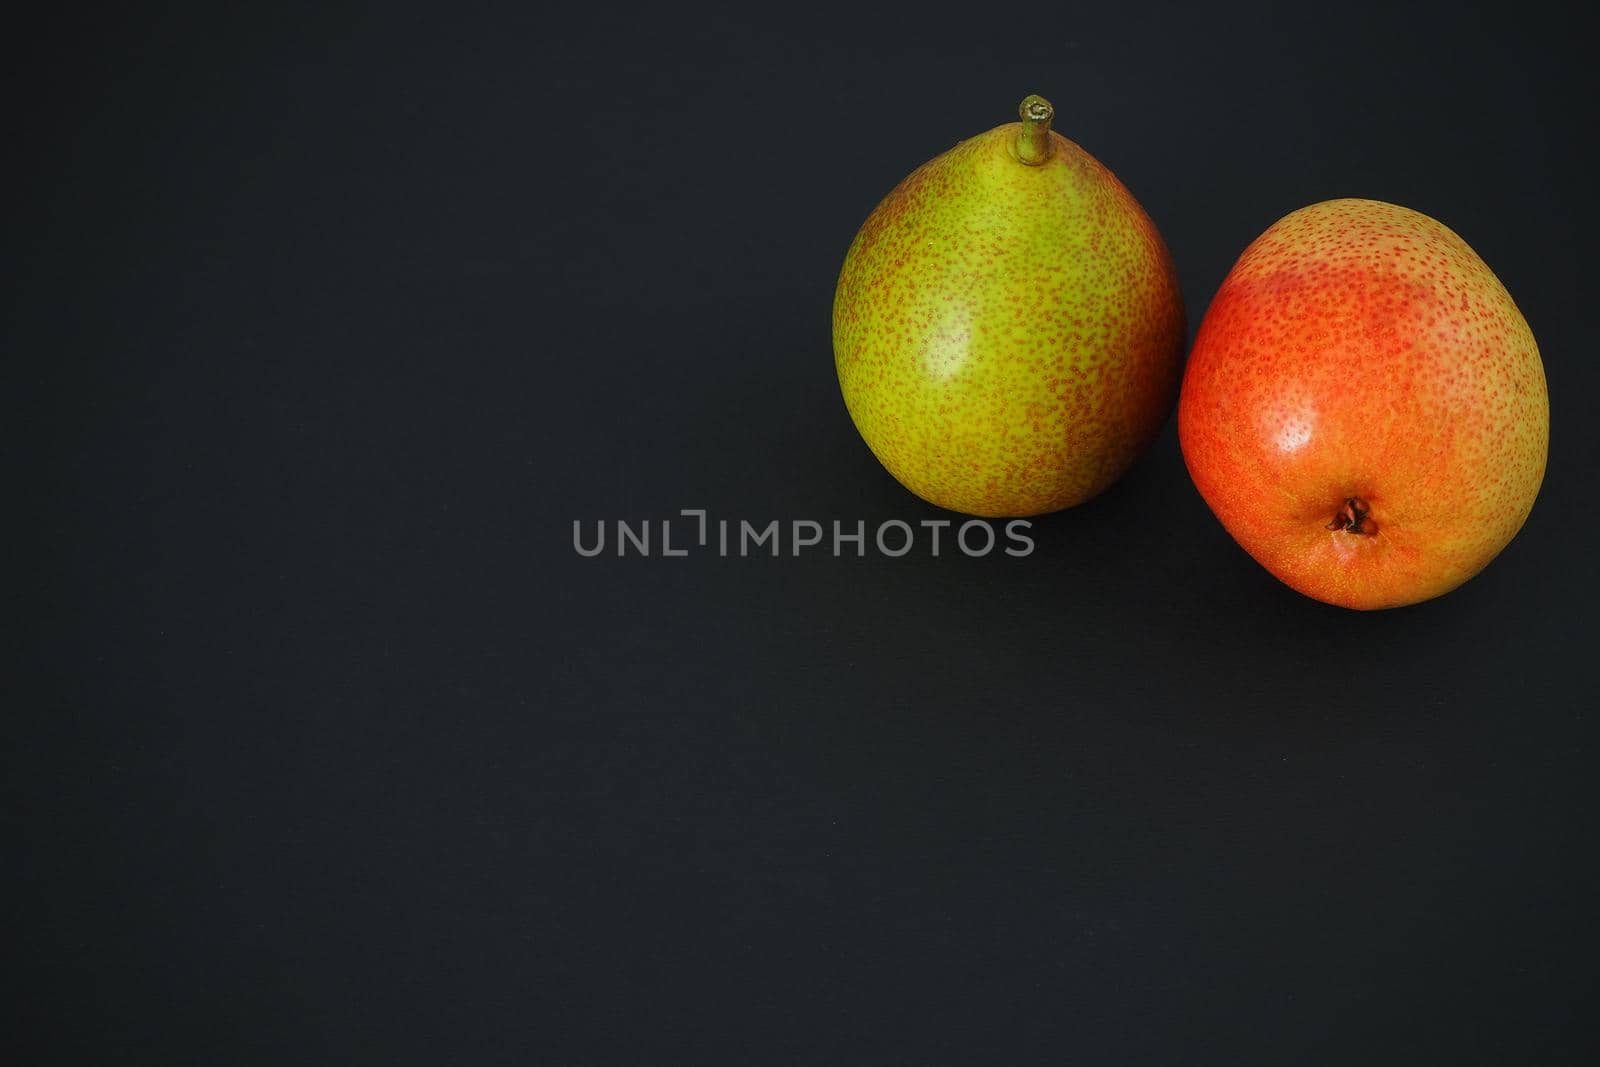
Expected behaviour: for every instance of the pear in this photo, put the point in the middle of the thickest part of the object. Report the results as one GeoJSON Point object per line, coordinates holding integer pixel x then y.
{"type": "Point", "coordinates": [1007, 328]}
{"type": "Point", "coordinates": [1365, 408]}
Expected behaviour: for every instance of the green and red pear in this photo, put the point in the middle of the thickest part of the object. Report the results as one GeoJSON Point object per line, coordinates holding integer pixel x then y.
{"type": "Point", "coordinates": [1007, 327]}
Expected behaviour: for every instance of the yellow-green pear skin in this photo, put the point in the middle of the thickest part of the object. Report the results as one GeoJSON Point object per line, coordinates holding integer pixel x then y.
{"type": "Point", "coordinates": [1008, 327]}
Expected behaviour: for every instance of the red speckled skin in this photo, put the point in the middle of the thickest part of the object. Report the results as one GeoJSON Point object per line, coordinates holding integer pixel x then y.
{"type": "Point", "coordinates": [1008, 337]}
{"type": "Point", "coordinates": [1362, 350]}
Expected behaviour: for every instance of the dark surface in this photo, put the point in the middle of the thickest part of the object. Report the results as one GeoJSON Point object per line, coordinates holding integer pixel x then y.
{"type": "Point", "coordinates": [327, 747]}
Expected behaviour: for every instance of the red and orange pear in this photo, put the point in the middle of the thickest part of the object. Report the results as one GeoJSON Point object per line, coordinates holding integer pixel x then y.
{"type": "Point", "coordinates": [1365, 407]}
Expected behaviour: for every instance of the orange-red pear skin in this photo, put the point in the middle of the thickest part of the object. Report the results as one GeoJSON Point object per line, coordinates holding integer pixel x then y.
{"type": "Point", "coordinates": [1365, 407]}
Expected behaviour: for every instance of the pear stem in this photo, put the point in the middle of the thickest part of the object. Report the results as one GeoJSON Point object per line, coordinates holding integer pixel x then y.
{"type": "Point", "coordinates": [1034, 144]}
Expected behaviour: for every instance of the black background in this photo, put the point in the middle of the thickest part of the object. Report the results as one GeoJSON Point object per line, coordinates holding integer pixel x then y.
{"type": "Point", "coordinates": [327, 746]}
